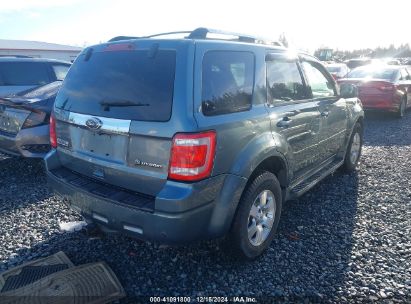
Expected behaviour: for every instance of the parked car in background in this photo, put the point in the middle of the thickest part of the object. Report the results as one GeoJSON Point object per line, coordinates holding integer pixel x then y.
{"type": "Point", "coordinates": [393, 61]}
{"type": "Point", "coordinates": [337, 70]}
{"type": "Point", "coordinates": [382, 87]}
{"type": "Point", "coordinates": [19, 74]}
{"type": "Point", "coordinates": [24, 121]}
{"type": "Point", "coordinates": [406, 61]}
{"type": "Point", "coordinates": [355, 63]}
{"type": "Point", "coordinates": [176, 140]}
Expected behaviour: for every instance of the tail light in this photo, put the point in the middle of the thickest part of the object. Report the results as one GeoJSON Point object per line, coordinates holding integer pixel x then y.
{"type": "Point", "coordinates": [53, 136]}
{"type": "Point", "coordinates": [35, 119]}
{"type": "Point", "coordinates": [192, 156]}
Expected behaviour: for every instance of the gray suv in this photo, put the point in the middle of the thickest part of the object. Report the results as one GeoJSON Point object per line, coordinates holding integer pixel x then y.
{"type": "Point", "coordinates": [175, 140]}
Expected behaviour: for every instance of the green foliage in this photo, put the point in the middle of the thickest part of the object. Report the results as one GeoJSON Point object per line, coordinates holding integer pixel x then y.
{"type": "Point", "coordinates": [380, 52]}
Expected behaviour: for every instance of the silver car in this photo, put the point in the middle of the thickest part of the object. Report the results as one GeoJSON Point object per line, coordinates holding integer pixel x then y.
{"type": "Point", "coordinates": [24, 121]}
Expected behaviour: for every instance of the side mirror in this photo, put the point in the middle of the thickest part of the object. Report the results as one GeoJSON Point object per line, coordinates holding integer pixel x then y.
{"type": "Point", "coordinates": [348, 90]}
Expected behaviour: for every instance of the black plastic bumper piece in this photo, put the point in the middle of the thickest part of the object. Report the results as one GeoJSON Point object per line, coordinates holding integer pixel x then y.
{"type": "Point", "coordinates": [96, 187]}
{"type": "Point", "coordinates": [129, 212]}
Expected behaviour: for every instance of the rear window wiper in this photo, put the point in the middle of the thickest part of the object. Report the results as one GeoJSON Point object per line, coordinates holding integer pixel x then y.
{"type": "Point", "coordinates": [122, 103]}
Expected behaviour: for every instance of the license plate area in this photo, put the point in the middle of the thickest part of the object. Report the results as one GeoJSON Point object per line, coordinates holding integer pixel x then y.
{"type": "Point", "coordinates": [104, 146]}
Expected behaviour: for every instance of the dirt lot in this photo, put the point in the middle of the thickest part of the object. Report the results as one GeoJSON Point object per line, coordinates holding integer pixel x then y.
{"type": "Point", "coordinates": [349, 239]}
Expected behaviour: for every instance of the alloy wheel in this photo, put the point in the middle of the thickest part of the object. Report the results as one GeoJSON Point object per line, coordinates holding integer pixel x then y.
{"type": "Point", "coordinates": [261, 217]}
{"type": "Point", "coordinates": [355, 148]}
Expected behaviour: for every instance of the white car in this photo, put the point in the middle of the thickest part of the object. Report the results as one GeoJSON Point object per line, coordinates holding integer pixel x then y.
{"type": "Point", "coordinates": [338, 70]}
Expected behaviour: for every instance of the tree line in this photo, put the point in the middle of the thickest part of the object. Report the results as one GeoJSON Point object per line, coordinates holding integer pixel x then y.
{"type": "Point", "coordinates": [401, 51]}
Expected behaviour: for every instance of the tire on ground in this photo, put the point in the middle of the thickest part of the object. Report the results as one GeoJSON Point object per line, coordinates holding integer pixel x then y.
{"type": "Point", "coordinates": [238, 241]}
{"type": "Point", "coordinates": [349, 165]}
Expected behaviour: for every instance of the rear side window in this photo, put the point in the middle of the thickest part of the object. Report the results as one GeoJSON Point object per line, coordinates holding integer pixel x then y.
{"type": "Point", "coordinates": [23, 73]}
{"type": "Point", "coordinates": [319, 84]}
{"type": "Point", "coordinates": [135, 85]}
{"type": "Point", "coordinates": [227, 82]}
{"type": "Point", "coordinates": [60, 71]}
{"type": "Point", "coordinates": [284, 82]}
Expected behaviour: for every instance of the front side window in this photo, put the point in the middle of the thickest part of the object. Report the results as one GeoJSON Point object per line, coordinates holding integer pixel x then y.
{"type": "Point", "coordinates": [24, 73]}
{"type": "Point", "coordinates": [227, 82]}
{"type": "Point", "coordinates": [318, 82]}
{"type": "Point", "coordinates": [284, 82]}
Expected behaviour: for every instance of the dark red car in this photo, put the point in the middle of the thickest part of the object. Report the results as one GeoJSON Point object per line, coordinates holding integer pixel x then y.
{"type": "Point", "coordinates": [382, 87]}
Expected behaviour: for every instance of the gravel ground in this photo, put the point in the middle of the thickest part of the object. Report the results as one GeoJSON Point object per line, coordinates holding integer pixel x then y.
{"type": "Point", "coordinates": [347, 240]}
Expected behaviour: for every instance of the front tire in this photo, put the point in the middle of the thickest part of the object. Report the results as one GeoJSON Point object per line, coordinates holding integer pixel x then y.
{"type": "Point", "coordinates": [353, 153]}
{"type": "Point", "coordinates": [257, 217]}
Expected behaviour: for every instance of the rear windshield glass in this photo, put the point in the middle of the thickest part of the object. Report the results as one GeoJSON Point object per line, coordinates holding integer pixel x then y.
{"type": "Point", "coordinates": [23, 73]}
{"type": "Point", "coordinates": [43, 92]}
{"type": "Point", "coordinates": [386, 74]}
{"type": "Point", "coordinates": [334, 69]}
{"type": "Point", "coordinates": [136, 85]}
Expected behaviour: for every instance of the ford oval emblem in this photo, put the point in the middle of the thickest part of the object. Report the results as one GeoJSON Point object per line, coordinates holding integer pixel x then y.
{"type": "Point", "coordinates": [94, 123]}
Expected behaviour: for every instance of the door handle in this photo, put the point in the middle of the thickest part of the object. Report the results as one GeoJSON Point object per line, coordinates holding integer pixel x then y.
{"type": "Point", "coordinates": [284, 123]}
{"type": "Point", "coordinates": [325, 114]}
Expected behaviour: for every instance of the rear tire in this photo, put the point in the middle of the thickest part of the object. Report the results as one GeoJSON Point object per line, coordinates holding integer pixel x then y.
{"type": "Point", "coordinates": [257, 217]}
{"type": "Point", "coordinates": [401, 110]}
{"type": "Point", "coordinates": [353, 153]}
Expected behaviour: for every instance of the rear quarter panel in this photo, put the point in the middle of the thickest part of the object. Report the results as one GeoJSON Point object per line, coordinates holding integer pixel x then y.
{"type": "Point", "coordinates": [355, 113]}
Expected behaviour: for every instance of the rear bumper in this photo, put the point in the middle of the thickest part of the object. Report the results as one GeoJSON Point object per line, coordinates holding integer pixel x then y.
{"type": "Point", "coordinates": [32, 142]}
{"type": "Point", "coordinates": [379, 104]}
{"type": "Point", "coordinates": [171, 221]}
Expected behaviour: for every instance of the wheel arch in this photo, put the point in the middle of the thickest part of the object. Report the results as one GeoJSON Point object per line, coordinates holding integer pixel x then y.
{"type": "Point", "coordinates": [274, 164]}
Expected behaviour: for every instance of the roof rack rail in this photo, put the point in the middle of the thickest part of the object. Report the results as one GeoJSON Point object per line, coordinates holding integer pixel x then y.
{"type": "Point", "coordinates": [119, 38]}
{"type": "Point", "coordinates": [167, 33]}
{"type": "Point", "coordinates": [202, 32]}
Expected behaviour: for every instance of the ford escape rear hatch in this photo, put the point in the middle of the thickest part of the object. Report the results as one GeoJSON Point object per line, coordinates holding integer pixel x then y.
{"type": "Point", "coordinates": [108, 99]}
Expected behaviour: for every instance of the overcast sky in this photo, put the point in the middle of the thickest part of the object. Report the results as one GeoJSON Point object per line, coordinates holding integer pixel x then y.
{"type": "Point", "coordinates": [344, 24]}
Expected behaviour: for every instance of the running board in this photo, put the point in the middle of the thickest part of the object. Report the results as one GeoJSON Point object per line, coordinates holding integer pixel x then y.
{"type": "Point", "coordinates": [302, 187]}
